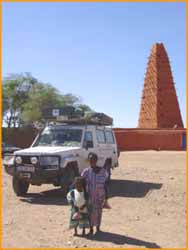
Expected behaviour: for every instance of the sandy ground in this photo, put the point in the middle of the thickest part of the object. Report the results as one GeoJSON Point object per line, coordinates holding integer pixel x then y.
{"type": "Point", "coordinates": [147, 195]}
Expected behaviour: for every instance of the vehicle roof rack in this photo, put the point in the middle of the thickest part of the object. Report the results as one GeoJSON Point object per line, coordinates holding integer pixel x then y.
{"type": "Point", "coordinates": [73, 116]}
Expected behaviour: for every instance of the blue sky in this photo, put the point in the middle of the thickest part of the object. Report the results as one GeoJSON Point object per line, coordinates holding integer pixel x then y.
{"type": "Point", "coordinates": [98, 51]}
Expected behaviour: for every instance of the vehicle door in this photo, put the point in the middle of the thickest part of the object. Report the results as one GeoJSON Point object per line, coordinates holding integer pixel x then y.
{"type": "Point", "coordinates": [101, 147]}
{"type": "Point", "coordinates": [87, 147]}
{"type": "Point", "coordinates": [111, 146]}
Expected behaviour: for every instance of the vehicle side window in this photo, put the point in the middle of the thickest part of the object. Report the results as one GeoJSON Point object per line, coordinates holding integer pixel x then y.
{"type": "Point", "coordinates": [109, 137]}
{"type": "Point", "coordinates": [88, 139]}
{"type": "Point", "coordinates": [100, 136]}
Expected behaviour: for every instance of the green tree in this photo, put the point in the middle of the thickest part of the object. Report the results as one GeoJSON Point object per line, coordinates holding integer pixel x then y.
{"type": "Point", "coordinates": [15, 93]}
{"type": "Point", "coordinates": [25, 99]}
{"type": "Point", "coordinates": [84, 108]}
{"type": "Point", "coordinates": [41, 96]}
{"type": "Point", "coordinates": [69, 100]}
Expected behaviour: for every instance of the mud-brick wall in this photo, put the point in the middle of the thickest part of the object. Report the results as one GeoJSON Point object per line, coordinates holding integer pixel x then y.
{"type": "Point", "coordinates": [143, 139]}
{"type": "Point", "coordinates": [19, 137]}
{"type": "Point", "coordinates": [127, 139]}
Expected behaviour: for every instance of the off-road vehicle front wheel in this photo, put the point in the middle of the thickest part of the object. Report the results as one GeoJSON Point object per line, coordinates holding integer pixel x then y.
{"type": "Point", "coordinates": [20, 187]}
{"type": "Point", "coordinates": [67, 179]}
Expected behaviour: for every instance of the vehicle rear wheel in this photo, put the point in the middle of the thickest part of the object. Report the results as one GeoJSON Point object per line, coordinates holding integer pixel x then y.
{"type": "Point", "coordinates": [20, 187]}
{"type": "Point", "coordinates": [64, 189]}
{"type": "Point", "coordinates": [108, 167]}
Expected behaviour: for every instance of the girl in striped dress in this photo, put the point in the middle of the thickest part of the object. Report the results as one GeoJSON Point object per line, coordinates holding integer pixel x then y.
{"type": "Point", "coordinates": [96, 181]}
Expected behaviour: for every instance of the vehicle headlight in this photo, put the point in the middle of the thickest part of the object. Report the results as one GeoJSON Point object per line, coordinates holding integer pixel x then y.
{"type": "Point", "coordinates": [8, 160]}
{"type": "Point", "coordinates": [34, 160]}
{"type": "Point", "coordinates": [18, 159]}
{"type": "Point", "coordinates": [49, 161]}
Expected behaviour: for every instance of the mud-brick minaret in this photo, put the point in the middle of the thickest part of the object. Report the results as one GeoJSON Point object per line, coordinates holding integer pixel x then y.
{"type": "Point", "coordinates": [159, 104]}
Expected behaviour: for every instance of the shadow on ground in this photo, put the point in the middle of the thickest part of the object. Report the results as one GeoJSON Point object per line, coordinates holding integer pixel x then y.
{"type": "Point", "coordinates": [121, 240]}
{"type": "Point", "coordinates": [121, 188]}
{"type": "Point", "coordinates": [134, 189]}
{"type": "Point", "coordinates": [49, 197]}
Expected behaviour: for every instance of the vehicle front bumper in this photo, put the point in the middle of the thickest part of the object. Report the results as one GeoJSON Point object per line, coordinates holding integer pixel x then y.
{"type": "Point", "coordinates": [39, 175]}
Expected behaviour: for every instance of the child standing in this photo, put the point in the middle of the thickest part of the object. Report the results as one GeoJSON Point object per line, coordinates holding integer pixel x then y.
{"type": "Point", "coordinates": [78, 199]}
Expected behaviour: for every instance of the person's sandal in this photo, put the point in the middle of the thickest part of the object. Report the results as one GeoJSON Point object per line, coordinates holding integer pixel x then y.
{"type": "Point", "coordinates": [90, 232]}
{"type": "Point", "coordinates": [75, 232]}
{"type": "Point", "coordinates": [97, 231]}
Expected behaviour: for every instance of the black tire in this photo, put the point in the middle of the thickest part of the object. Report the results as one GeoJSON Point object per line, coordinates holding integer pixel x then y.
{"type": "Point", "coordinates": [108, 167]}
{"type": "Point", "coordinates": [64, 189]}
{"type": "Point", "coordinates": [68, 178]}
{"type": "Point", "coordinates": [9, 169]}
{"type": "Point", "coordinates": [20, 187]}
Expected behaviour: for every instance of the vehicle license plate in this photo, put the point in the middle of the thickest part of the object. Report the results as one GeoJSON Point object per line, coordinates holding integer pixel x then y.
{"type": "Point", "coordinates": [26, 175]}
{"type": "Point", "coordinates": [26, 168]}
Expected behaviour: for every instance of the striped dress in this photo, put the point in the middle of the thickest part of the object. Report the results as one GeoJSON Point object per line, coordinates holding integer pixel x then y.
{"type": "Point", "coordinates": [95, 186]}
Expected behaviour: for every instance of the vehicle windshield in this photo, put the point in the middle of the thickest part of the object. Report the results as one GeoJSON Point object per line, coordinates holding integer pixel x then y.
{"type": "Point", "coordinates": [59, 137]}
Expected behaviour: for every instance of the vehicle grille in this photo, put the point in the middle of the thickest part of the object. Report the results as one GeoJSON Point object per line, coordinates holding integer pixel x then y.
{"type": "Point", "coordinates": [26, 159]}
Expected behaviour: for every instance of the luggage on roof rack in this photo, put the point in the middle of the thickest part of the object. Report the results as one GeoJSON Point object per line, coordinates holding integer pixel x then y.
{"type": "Point", "coordinates": [99, 118]}
{"type": "Point", "coordinates": [68, 111]}
{"type": "Point", "coordinates": [71, 115]}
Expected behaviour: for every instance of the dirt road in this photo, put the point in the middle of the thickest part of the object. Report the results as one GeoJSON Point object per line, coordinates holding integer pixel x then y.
{"type": "Point", "coordinates": [148, 208]}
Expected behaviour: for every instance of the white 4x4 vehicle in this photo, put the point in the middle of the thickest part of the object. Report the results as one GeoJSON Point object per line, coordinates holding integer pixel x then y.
{"type": "Point", "coordinates": [60, 153]}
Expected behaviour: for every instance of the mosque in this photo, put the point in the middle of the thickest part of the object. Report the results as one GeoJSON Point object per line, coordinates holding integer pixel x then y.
{"type": "Point", "coordinates": [160, 124]}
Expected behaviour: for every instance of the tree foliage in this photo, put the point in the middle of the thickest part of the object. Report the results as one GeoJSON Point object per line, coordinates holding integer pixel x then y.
{"type": "Point", "coordinates": [15, 93]}
{"type": "Point", "coordinates": [24, 99]}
